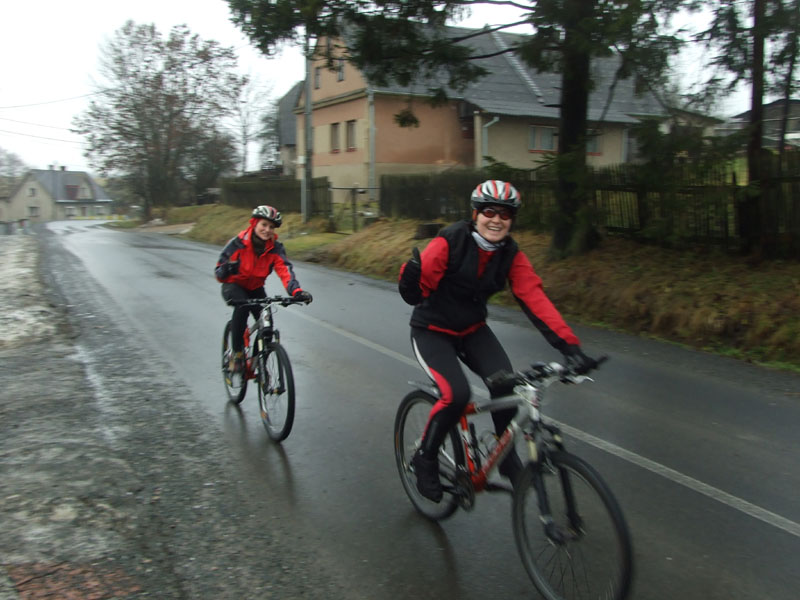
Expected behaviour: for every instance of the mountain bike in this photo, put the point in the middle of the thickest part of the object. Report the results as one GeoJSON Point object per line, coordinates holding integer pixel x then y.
{"type": "Point", "coordinates": [266, 361]}
{"type": "Point", "coordinates": [569, 529]}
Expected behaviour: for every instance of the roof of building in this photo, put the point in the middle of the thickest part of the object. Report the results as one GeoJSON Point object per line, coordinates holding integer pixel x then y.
{"type": "Point", "coordinates": [287, 132]}
{"type": "Point", "coordinates": [55, 181]}
{"type": "Point", "coordinates": [514, 89]}
{"type": "Point", "coordinates": [775, 103]}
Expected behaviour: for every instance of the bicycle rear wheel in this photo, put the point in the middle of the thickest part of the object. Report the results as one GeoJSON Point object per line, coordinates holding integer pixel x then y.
{"type": "Point", "coordinates": [235, 383]}
{"type": "Point", "coordinates": [276, 391]}
{"type": "Point", "coordinates": [583, 553]}
{"type": "Point", "coordinates": [409, 425]}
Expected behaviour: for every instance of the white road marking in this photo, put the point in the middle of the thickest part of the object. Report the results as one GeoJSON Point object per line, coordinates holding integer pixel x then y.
{"type": "Point", "coordinates": [709, 491]}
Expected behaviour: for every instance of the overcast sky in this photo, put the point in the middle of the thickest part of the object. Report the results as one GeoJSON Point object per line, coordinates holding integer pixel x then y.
{"type": "Point", "coordinates": [50, 51]}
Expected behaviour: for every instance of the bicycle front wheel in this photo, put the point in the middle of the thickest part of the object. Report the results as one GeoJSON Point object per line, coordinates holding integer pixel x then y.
{"type": "Point", "coordinates": [235, 383]}
{"type": "Point", "coordinates": [276, 391]}
{"type": "Point", "coordinates": [580, 547]}
{"type": "Point", "coordinates": [409, 425]}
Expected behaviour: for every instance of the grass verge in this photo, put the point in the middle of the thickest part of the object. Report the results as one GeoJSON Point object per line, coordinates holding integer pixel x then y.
{"type": "Point", "coordinates": [701, 299]}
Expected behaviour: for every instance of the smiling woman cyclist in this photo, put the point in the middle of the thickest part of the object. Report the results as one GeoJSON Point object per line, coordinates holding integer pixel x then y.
{"type": "Point", "coordinates": [449, 286]}
{"type": "Point", "coordinates": [243, 266]}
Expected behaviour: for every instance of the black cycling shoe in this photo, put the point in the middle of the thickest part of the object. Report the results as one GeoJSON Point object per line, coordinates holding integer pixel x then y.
{"type": "Point", "coordinates": [427, 471]}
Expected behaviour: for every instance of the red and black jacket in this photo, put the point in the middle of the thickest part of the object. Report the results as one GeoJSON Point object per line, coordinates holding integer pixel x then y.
{"type": "Point", "coordinates": [458, 278]}
{"type": "Point", "coordinates": [252, 269]}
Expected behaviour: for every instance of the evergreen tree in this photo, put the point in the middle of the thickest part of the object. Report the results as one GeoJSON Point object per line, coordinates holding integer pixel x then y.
{"type": "Point", "coordinates": [406, 40]}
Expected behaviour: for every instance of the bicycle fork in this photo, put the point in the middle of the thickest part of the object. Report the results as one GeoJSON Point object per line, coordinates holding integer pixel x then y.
{"type": "Point", "coordinates": [557, 536]}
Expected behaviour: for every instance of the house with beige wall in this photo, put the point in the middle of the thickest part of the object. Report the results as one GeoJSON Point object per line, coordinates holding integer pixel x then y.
{"type": "Point", "coordinates": [510, 115]}
{"type": "Point", "coordinates": [55, 194]}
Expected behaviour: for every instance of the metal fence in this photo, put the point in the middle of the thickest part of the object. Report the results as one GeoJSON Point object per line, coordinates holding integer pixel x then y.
{"type": "Point", "coordinates": [283, 194]}
{"type": "Point", "coordinates": [682, 206]}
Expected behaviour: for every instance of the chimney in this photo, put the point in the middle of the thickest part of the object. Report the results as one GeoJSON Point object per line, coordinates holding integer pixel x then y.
{"type": "Point", "coordinates": [63, 168]}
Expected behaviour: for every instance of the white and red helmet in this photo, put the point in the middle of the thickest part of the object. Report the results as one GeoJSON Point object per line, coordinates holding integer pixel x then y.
{"type": "Point", "coordinates": [269, 213]}
{"type": "Point", "coordinates": [497, 193]}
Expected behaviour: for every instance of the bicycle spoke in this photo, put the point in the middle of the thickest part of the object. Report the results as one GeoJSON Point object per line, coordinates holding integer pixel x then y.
{"type": "Point", "coordinates": [412, 416]}
{"type": "Point", "coordinates": [590, 562]}
{"type": "Point", "coordinates": [276, 392]}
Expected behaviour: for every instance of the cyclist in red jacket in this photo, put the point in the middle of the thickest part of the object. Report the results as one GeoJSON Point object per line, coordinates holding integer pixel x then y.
{"type": "Point", "coordinates": [449, 286]}
{"type": "Point", "coordinates": [243, 266]}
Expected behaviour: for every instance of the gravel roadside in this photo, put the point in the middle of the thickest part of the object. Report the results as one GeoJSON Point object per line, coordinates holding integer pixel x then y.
{"type": "Point", "coordinates": [112, 486]}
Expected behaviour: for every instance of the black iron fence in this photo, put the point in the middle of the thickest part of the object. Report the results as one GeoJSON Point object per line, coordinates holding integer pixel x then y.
{"type": "Point", "coordinates": [680, 207]}
{"type": "Point", "coordinates": [283, 194]}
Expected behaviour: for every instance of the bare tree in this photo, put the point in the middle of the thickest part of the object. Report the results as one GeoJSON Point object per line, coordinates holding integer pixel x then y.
{"type": "Point", "coordinates": [12, 168]}
{"type": "Point", "coordinates": [161, 99]}
{"type": "Point", "coordinates": [253, 101]}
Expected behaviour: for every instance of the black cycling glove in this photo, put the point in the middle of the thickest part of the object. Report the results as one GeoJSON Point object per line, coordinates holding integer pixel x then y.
{"type": "Point", "coordinates": [303, 296]}
{"type": "Point", "coordinates": [409, 279]}
{"type": "Point", "coordinates": [576, 360]}
{"type": "Point", "coordinates": [227, 269]}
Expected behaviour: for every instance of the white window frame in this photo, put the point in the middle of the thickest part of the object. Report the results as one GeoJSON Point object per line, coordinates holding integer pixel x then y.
{"type": "Point", "coordinates": [593, 141]}
{"type": "Point", "coordinates": [535, 137]}
{"type": "Point", "coordinates": [335, 146]}
{"type": "Point", "coordinates": [350, 135]}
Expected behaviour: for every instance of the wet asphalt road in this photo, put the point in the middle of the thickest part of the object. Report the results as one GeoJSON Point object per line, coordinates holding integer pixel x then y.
{"type": "Point", "coordinates": [700, 450]}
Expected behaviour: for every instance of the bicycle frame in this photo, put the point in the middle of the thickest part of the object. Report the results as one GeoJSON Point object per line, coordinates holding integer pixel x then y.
{"type": "Point", "coordinates": [265, 326]}
{"type": "Point", "coordinates": [526, 401]}
{"type": "Point", "coordinates": [526, 397]}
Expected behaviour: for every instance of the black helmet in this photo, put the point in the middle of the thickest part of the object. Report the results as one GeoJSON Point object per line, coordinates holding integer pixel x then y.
{"type": "Point", "coordinates": [496, 192]}
{"type": "Point", "coordinates": [268, 213]}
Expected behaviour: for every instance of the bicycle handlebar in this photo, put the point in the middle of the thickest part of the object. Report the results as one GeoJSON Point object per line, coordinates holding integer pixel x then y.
{"type": "Point", "coordinates": [282, 300]}
{"type": "Point", "coordinates": [544, 373]}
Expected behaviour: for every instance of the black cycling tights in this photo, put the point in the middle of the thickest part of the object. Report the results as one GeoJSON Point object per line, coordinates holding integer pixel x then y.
{"type": "Point", "coordinates": [231, 291]}
{"type": "Point", "coordinates": [441, 356]}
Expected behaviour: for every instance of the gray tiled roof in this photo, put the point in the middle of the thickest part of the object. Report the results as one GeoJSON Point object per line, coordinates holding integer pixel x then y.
{"type": "Point", "coordinates": [287, 131]}
{"type": "Point", "coordinates": [55, 181]}
{"type": "Point", "coordinates": [511, 88]}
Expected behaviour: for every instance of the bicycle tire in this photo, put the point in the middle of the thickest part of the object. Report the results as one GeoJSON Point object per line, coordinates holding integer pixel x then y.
{"type": "Point", "coordinates": [592, 562]}
{"type": "Point", "coordinates": [235, 383]}
{"type": "Point", "coordinates": [409, 424]}
{"type": "Point", "coordinates": [275, 402]}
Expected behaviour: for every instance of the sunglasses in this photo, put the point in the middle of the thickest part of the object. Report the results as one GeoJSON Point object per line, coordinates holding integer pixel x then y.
{"type": "Point", "coordinates": [490, 212]}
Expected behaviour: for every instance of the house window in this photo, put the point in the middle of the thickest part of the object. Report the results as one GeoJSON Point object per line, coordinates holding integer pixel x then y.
{"type": "Point", "coordinates": [334, 137]}
{"type": "Point", "coordinates": [72, 192]}
{"type": "Point", "coordinates": [350, 134]}
{"type": "Point", "coordinates": [33, 211]}
{"type": "Point", "coordinates": [593, 141]}
{"type": "Point", "coordinates": [32, 192]}
{"type": "Point", "coordinates": [317, 71]}
{"type": "Point", "coordinates": [340, 70]}
{"type": "Point", "coordinates": [542, 139]}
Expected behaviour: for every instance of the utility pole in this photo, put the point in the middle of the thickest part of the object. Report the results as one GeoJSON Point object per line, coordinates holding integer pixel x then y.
{"type": "Point", "coordinates": [305, 185]}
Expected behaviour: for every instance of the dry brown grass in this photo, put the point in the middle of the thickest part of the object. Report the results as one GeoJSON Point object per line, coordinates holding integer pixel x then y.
{"type": "Point", "coordinates": [701, 299]}
{"type": "Point", "coordinates": [216, 223]}
{"type": "Point", "coordinates": [705, 300]}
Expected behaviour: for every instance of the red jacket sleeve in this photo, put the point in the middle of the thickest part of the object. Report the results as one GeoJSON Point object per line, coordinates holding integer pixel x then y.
{"type": "Point", "coordinates": [434, 264]}
{"type": "Point", "coordinates": [527, 288]}
{"type": "Point", "coordinates": [285, 270]}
